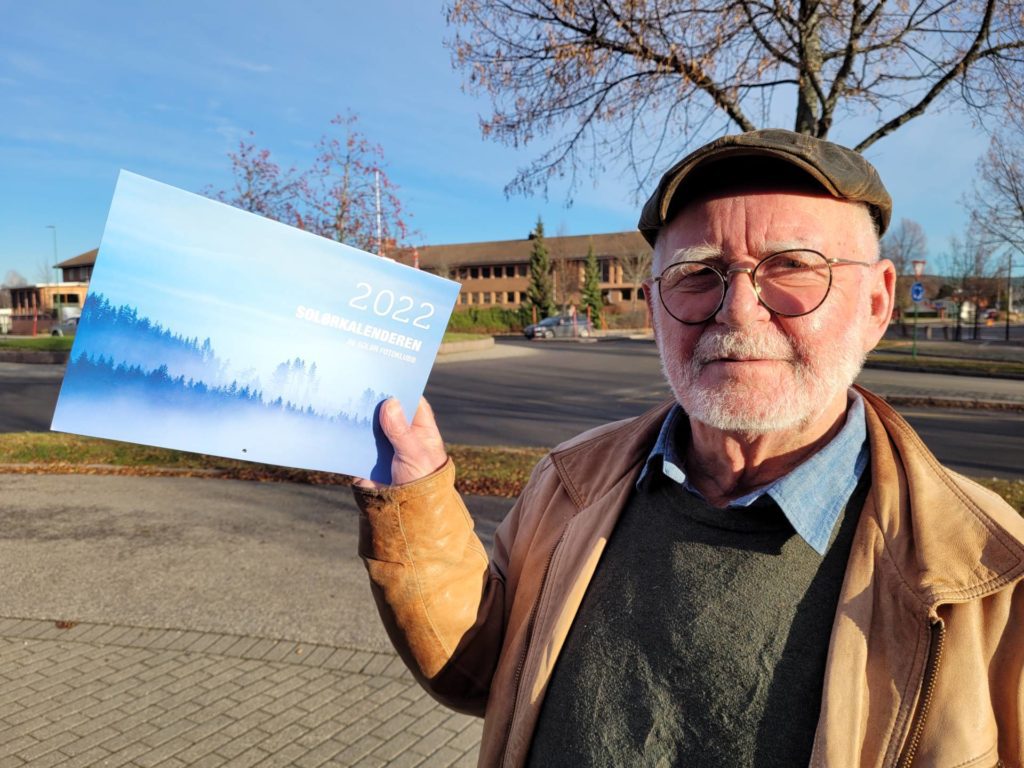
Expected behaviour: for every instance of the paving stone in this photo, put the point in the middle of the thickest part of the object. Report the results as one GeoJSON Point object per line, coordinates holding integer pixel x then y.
{"type": "Point", "coordinates": [111, 696]}
{"type": "Point", "coordinates": [433, 741]}
{"type": "Point", "coordinates": [445, 756]}
{"type": "Point", "coordinates": [283, 757]}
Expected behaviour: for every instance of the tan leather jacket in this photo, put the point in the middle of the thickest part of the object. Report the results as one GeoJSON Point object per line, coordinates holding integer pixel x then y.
{"type": "Point", "coordinates": [926, 661]}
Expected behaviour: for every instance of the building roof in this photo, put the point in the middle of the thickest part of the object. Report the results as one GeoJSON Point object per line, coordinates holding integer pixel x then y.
{"type": "Point", "coordinates": [81, 260]}
{"type": "Point", "coordinates": [614, 244]}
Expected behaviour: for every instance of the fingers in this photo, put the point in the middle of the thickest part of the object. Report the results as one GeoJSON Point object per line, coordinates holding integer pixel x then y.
{"type": "Point", "coordinates": [419, 448]}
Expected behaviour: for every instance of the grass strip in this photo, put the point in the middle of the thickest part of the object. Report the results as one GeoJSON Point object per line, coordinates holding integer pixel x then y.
{"type": "Point", "coordinates": [930, 364]}
{"type": "Point", "coordinates": [483, 471]}
{"type": "Point", "coordinates": [42, 343]}
{"type": "Point", "coordinates": [487, 471]}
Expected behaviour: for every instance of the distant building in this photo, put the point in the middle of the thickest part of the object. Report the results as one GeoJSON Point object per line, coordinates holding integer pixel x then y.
{"type": "Point", "coordinates": [497, 273]}
{"type": "Point", "coordinates": [36, 309]}
{"type": "Point", "coordinates": [78, 269]}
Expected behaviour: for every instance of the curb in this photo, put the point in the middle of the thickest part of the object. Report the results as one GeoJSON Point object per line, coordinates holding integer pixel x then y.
{"type": "Point", "coordinates": [454, 347]}
{"type": "Point", "coordinates": [343, 658]}
{"type": "Point", "coordinates": [929, 401]}
{"type": "Point", "coordinates": [911, 368]}
{"type": "Point", "coordinates": [33, 356]}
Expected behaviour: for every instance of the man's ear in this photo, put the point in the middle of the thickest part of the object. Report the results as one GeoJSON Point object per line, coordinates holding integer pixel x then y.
{"type": "Point", "coordinates": [882, 299]}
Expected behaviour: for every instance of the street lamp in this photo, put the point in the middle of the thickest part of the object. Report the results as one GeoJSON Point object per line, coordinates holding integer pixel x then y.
{"type": "Point", "coordinates": [56, 300]}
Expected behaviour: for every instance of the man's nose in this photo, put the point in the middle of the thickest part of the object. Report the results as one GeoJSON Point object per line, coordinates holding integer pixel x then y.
{"type": "Point", "coordinates": [741, 305]}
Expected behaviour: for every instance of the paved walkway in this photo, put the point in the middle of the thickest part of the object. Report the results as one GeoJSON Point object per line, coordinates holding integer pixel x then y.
{"type": "Point", "coordinates": [189, 622]}
{"type": "Point", "coordinates": [109, 695]}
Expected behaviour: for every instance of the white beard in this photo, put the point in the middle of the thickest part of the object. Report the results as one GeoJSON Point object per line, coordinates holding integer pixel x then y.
{"type": "Point", "coordinates": [812, 381]}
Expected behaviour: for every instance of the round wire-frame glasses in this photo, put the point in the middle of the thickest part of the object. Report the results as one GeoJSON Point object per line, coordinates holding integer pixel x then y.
{"type": "Point", "coordinates": [789, 283]}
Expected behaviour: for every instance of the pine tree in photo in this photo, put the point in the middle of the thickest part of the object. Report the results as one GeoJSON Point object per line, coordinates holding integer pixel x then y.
{"type": "Point", "coordinates": [591, 296]}
{"type": "Point", "coordinates": [541, 293]}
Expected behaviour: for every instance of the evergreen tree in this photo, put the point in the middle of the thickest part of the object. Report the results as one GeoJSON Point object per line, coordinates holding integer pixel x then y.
{"type": "Point", "coordinates": [541, 292]}
{"type": "Point", "coordinates": [591, 297]}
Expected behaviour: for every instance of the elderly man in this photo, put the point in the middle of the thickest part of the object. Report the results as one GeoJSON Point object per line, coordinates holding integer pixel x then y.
{"type": "Point", "coordinates": [770, 570]}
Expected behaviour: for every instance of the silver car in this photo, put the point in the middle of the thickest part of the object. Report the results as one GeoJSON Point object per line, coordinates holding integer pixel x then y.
{"type": "Point", "coordinates": [559, 326]}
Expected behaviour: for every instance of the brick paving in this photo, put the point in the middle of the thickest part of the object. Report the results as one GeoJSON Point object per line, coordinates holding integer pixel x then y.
{"type": "Point", "coordinates": [105, 695]}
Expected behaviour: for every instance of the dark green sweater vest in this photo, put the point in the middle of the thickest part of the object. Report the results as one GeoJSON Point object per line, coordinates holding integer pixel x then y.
{"type": "Point", "coordinates": [701, 640]}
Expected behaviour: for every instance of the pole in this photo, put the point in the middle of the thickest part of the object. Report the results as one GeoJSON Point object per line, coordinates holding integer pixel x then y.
{"type": "Point", "coordinates": [56, 296]}
{"type": "Point", "coordinates": [1009, 292]}
{"type": "Point", "coordinates": [913, 349]}
{"type": "Point", "coordinates": [376, 181]}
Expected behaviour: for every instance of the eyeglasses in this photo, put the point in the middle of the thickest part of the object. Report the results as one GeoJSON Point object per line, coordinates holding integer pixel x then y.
{"type": "Point", "coordinates": [789, 283]}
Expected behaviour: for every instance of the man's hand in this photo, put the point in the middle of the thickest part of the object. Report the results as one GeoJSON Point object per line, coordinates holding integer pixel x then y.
{"type": "Point", "coordinates": [419, 449]}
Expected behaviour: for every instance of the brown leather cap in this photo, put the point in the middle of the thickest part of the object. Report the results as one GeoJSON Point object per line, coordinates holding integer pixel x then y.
{"type": "Point", "coordinates": [843, 173]}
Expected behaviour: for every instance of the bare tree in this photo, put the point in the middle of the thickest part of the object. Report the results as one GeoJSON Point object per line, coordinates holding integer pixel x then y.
{"type": "Point", "coordinates": [902, 245]}
{"type": "Point", "coordinates": [13, 279]}
{"type": "Point", "coordinates": [566, 278]}
{"type": "Point", "coordinates": [622, 81]}
{"type": "Point", "coordinates": [636, 267]}
{"type": "Point", "coordinates": [996, 203]}
{"type": "Point", "coordinates": [346, 195]}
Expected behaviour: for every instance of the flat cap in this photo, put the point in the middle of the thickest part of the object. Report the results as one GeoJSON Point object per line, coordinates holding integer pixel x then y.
{"type": "Point", "coordinates": [843, 173]}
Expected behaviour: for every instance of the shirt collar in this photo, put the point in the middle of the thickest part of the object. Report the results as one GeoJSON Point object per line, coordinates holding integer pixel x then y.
{"type": "Point", "coordinates": [811, 506]}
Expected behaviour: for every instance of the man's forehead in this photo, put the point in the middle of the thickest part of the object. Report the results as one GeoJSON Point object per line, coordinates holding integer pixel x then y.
{"type": "Point", "coordinates": [706, 251]}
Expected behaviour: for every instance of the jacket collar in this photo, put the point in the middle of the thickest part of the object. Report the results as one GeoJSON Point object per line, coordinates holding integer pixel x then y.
{"type": "Point", "coordinates": [945, 545]}
{"type": "Point", "coordinates": [949, 539]}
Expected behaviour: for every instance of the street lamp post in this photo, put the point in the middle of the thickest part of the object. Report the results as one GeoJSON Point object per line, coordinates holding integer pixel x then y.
{"type": "Point", "coordinates": [1009, 292]}
{"type": "Point", "coordinates": [916, 294]}
{"type": "Point", "coordinates": [56, 296]}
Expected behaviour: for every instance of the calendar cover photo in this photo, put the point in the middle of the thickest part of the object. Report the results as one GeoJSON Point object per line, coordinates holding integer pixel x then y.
{"type": "Point", "coordinates": [213, 330]}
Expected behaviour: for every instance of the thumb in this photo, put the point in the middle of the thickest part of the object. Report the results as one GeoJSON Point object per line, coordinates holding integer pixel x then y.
{"type": "Point", "coordinates": [419, 448]}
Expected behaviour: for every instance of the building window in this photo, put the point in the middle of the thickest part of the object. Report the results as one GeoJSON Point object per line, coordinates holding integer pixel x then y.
{"type": "Point", "coordinates": [485, 271]}
{"type": "Point", "coordinates": [521, 270]}
{"type": "Point", "coordinates": [474, 272]}
{"type": "Point", "coordinates": [510, 297]}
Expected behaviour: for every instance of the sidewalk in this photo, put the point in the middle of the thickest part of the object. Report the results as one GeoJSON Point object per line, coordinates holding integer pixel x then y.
{"type": "Point", "coordinates": [109, 695]}
{"type": "Point", "coordinates": [186, 622]}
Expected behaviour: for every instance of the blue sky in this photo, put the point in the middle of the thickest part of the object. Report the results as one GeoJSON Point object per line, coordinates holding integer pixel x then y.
{"type": "Point", "coordinates": [168, 89]}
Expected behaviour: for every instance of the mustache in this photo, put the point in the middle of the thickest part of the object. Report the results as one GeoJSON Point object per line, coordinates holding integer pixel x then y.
{"type": "Point", "coordinates": [740, 345]}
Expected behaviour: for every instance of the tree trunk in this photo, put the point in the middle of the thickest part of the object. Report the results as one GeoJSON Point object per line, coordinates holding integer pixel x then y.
{"type": "Point", "coordinates": [808, 101]}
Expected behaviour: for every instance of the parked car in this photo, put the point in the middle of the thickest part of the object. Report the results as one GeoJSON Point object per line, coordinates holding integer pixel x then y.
{"type": "Point", "coordinates": [559, 325]}
{"type": "Point", "coordinates": [67, 328]}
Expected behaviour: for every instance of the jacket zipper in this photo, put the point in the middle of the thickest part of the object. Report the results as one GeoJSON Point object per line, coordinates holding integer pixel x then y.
{"type": "Point", "coordinates": [527, 644]}
{"type": "Point", "coordinates": [938, 636]}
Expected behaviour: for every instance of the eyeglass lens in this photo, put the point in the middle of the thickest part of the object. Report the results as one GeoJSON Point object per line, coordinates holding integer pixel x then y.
{"type": "Point", "coordinates": [788, 283]}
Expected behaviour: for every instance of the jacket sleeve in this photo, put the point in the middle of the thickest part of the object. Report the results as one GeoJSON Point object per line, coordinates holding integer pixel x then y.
{"type": "Point", "coordinates": [441, 601]}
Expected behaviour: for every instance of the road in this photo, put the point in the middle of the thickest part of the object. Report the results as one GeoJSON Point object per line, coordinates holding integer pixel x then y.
{"type": "Point", "coordinates": [551, 391]}
{"type": "Point", "coordinates": [543, 393]}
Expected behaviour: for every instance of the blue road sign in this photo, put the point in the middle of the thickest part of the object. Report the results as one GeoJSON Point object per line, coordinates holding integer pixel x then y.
{"type": "Point", "coordinates": [916, 292]}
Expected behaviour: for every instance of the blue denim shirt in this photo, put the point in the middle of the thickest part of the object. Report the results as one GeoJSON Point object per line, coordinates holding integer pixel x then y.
{"type": "Point", "coordinates": [811, 496]}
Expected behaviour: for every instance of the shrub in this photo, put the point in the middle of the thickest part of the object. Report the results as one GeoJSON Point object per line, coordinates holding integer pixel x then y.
{"type": "Point", "coordinates": [486, 320]}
